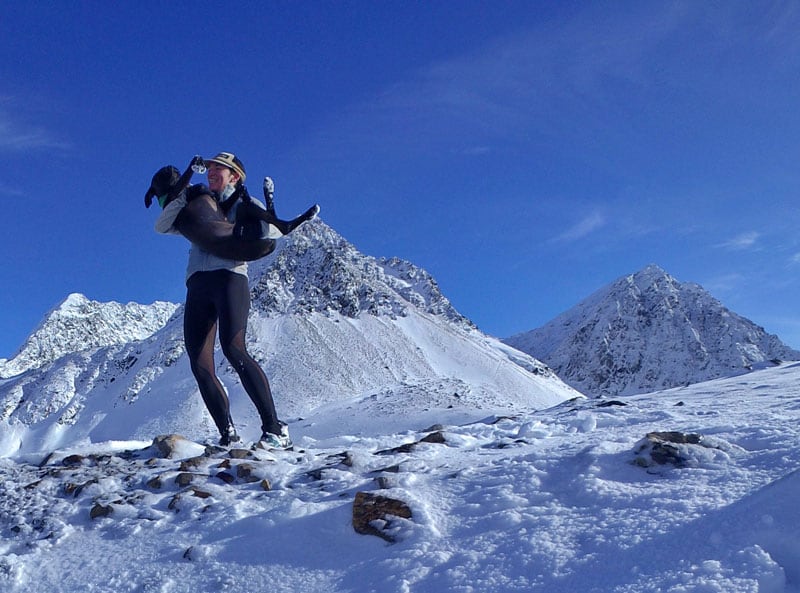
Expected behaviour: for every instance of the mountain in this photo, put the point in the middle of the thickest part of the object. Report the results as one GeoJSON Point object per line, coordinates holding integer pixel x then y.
{"type": "Point", "coordinates": [80, 324]}
{"type": "Point", "coordinates": [329, 325]}
{"type": "Point", "coordinates": [646, 332]}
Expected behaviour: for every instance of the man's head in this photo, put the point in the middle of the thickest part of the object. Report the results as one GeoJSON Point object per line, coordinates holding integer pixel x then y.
{"type": "Point", "coordinates": [224, 169]}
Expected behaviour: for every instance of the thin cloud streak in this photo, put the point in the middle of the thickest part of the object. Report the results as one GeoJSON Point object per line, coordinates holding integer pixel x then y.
{"type": "Point", "coordinates": [17, 137]}
{"type": "Point", "coordinates": [559, 85]}
{"type": "Point", "coordinates": [742, 242]}
{"type": "Point", "coordinates": [507, 90]}
{"type": "Point", "coordinates": [583, 228]}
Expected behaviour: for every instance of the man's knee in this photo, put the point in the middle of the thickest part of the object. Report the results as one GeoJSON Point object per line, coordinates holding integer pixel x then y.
{"type": "Point", "coordinates": [201, 369]}
{"type": "Point", "coordinates": [236, 356]}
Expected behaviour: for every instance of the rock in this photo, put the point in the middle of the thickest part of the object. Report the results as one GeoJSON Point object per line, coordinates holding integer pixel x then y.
{"type": "Point", "coordinates": [154, 483]}
{"type": "Point", "coordinates": [434, 428]}
{"type": "Point", "coordinates": [184, 479]}
{"type": "Point", "coordinates": [100, 510]}
{"type": "Point", "coordinates": [166, 444]}
{"type": "Point", "coordinates": [383, 482]}
{"type": "Point", "coordinates": [371, 510]}
{"type": "Point", "coordinates": [72, 460]}
{"type": "Point", "coordinates": [212, 450]}
{"type": "Point", "coordinates": [226, 477]}
{"type": "Point", "coordinates": [434, 437]}
{"type": "Point", "coordinates": [665, 448]}
{"type": "Point", "coordinates": [345, 458]}
{"type": "Point", "coordinates": [75, 489]}
{"type": "Point", "coordinates": [174, 502]}
{"type": "Point", "coordinates": [192, 463]}
{"type": "Point", "coordinates": [245, 472]}
{"type": "Point", "coordinates": [404, 448]}
{"type": "Point", "coordinates": [240, 454]}
{"type": "Point", "coordinates": [392, 469]}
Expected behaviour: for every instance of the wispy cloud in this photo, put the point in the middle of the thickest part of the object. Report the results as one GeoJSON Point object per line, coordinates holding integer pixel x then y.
{"type": "Point", "coordinates": [582, 228]}
{"type": "Point", "coordinates": [579, 84]}
{"type": "Point", "coordinates": [16, 135]}
{"type": "Point", "coordinates": [512, 88]}
{"type": "Point", "coordinates": [742, 242]}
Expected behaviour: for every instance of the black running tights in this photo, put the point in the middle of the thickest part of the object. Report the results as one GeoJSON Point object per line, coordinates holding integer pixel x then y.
{"type": "Point", "coordinates": [221, 297]}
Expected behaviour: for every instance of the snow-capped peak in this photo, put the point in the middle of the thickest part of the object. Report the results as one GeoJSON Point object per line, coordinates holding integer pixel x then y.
{"type": "Point", "coordinates": [648, 331]}
{"type": "Point", "coordinates": [316, 270]}
{"type": "Point", "coordinates": [78, 324]}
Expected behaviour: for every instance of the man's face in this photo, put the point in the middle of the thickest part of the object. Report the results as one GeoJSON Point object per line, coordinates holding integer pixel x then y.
{"type": "Point", "coordinates": [219, 176]}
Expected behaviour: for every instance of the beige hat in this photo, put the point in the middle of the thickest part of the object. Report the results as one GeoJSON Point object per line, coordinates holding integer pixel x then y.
{"type": "Point", "coordinates": [230, 160]}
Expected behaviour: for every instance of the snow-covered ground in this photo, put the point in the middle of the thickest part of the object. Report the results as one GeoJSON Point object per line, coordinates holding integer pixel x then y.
{"type": "Point", "coordinates": [567, 499]}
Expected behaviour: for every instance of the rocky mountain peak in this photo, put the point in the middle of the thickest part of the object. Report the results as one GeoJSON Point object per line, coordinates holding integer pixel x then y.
{"type": "Point", "coordinates": [648, 331]}
{"type": "Point", "coordinates": [316, 270]}
{"type": "Point", "coordinates": [78, 324]}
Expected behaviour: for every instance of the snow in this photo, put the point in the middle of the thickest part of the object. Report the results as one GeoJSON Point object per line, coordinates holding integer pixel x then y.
{"type": "Point", "coordinates": [563, 499]}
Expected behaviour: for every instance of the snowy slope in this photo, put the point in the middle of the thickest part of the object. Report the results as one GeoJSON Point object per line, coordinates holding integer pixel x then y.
{"type": "Point", "coordinates": [328, 324]}
{"type": "Point", "coordinates": [559, 500]}
{"type": "Point", "coordinates": [647, 331]}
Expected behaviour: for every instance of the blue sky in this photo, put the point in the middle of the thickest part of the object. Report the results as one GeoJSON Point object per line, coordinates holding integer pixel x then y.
{"type": "Point", "coordinates": [524, 153]}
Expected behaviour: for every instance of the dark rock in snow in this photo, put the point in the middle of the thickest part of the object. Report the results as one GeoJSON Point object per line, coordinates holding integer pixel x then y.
{"type": "Point", "coordinates": [373, 514]}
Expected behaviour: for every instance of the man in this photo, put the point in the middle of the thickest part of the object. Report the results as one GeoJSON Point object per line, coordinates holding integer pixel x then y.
{"type": "Point", "coordinates": [218, 296]}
